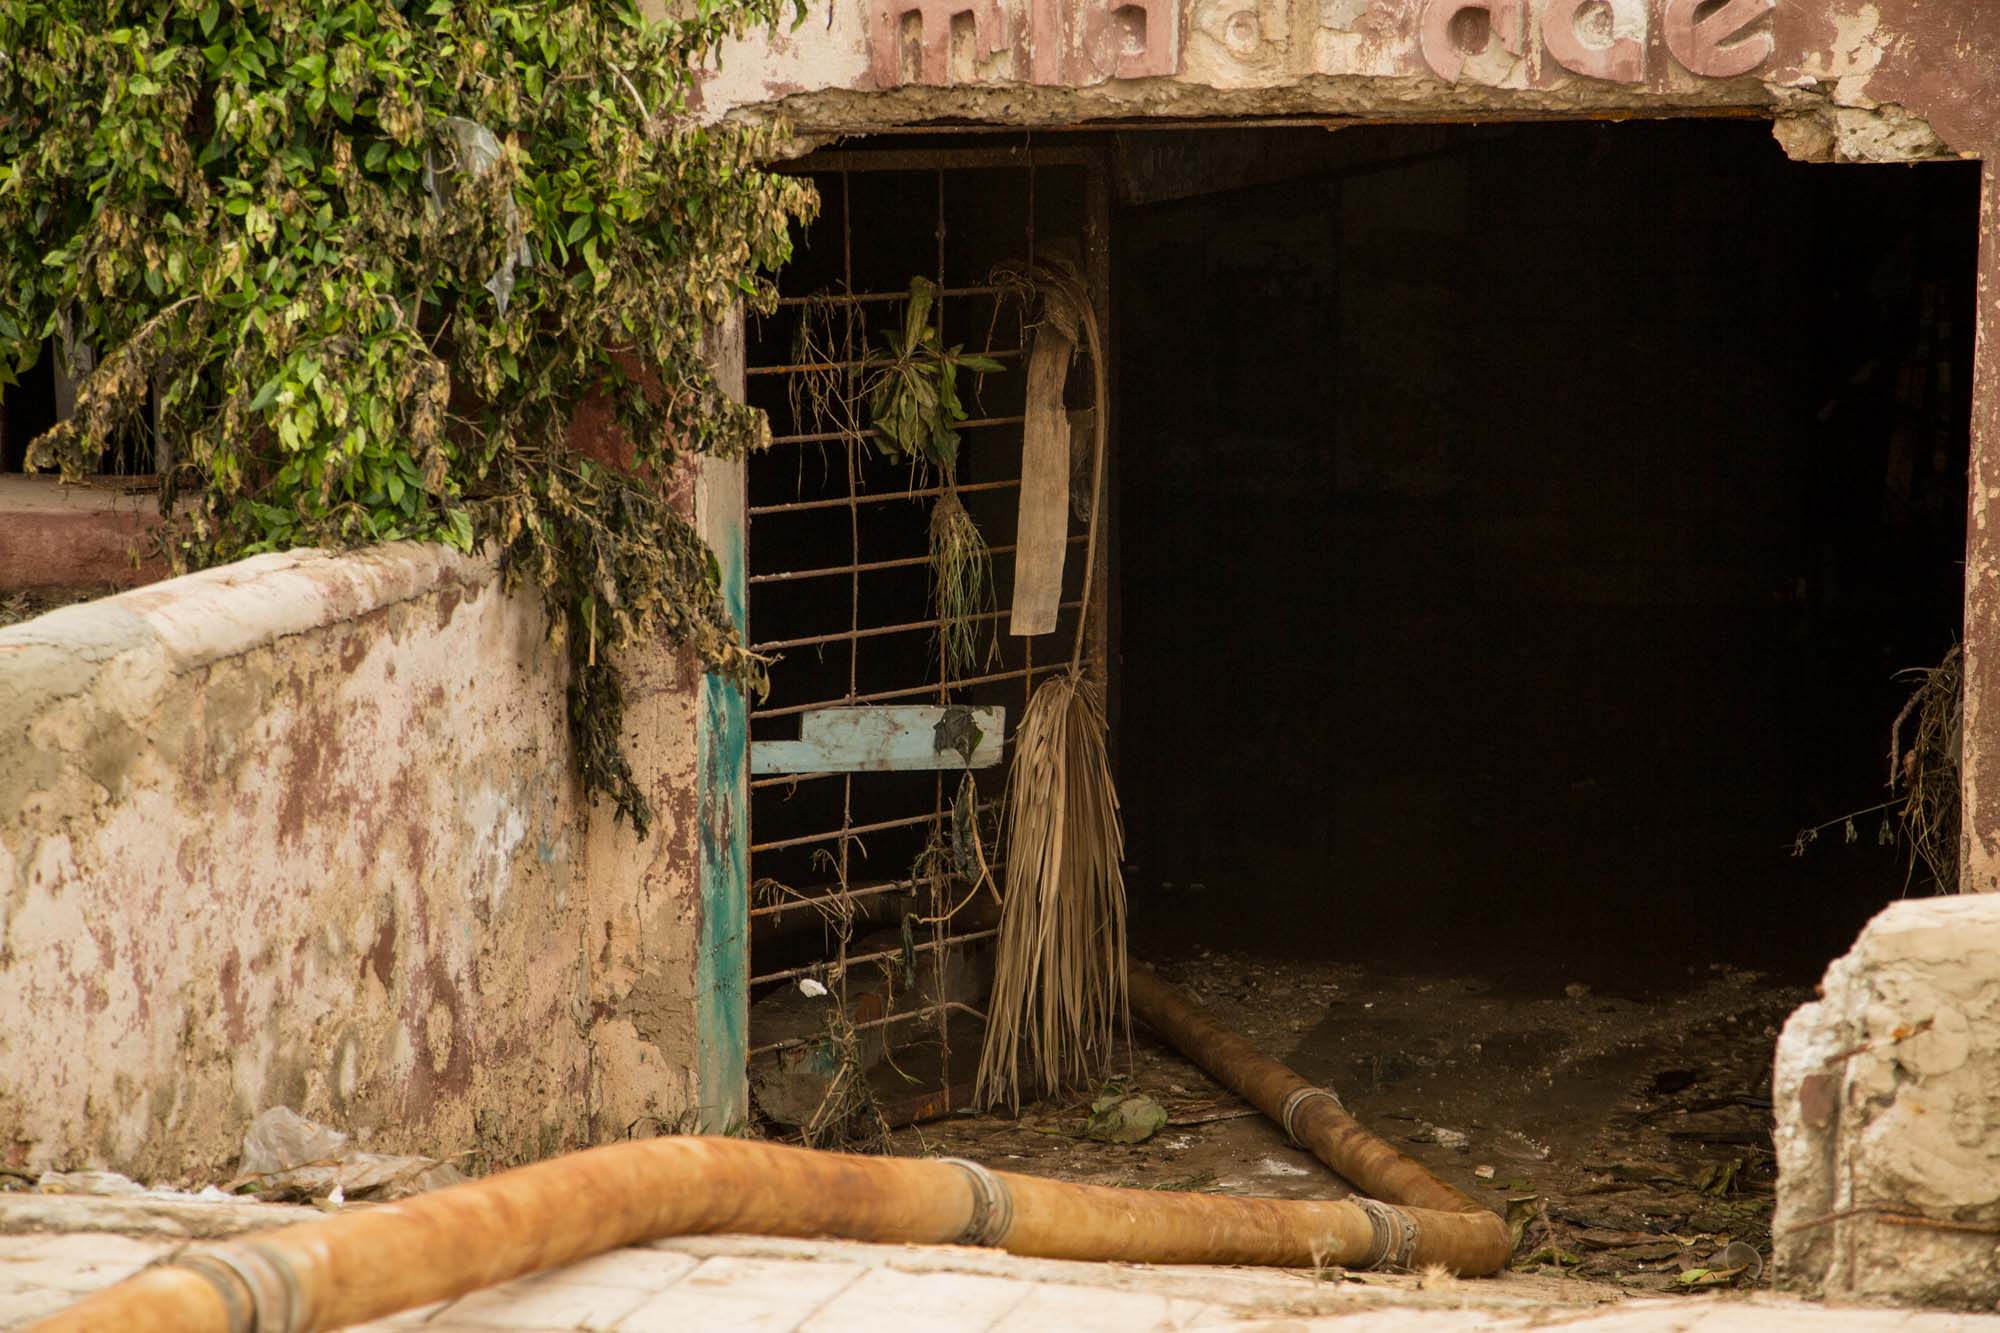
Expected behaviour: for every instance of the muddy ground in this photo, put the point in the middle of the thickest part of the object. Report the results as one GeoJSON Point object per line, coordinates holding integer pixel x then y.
{"type": "Point", "coordinates": [1628, 1136]}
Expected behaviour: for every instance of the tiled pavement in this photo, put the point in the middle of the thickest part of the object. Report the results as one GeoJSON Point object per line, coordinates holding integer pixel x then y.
{"type": "Point", "coordinates": [753, 1285]}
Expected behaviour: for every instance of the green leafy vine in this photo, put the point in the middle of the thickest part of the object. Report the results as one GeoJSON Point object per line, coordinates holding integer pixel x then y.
{"type": "Point", "coordinates": [361, 266]}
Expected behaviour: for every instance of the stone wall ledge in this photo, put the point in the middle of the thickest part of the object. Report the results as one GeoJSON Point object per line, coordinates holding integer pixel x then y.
{"type": "Point", "coordinates": [185, 624]}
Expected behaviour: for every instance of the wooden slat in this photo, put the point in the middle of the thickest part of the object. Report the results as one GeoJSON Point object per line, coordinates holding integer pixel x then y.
{"type": "Point", "coordinates": [1039, 542]}
{"type": "Point", "coordinates": [881, 740]}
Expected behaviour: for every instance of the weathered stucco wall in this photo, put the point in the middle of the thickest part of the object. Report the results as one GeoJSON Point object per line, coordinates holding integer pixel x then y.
{"type": "Point", "coordinates": [303, 831]}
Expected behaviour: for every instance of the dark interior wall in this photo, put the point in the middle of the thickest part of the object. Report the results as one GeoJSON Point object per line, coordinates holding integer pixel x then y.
{"type": "Point", "coordinates": [1520, 530]}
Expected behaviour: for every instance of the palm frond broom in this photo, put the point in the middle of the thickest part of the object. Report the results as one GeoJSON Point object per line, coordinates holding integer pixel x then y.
{"type": "Point", "coordinates": [1059, 992]}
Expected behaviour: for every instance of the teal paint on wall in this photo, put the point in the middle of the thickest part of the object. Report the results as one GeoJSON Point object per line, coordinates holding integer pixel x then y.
{"type": "Point", "coordinates": [722, 994]}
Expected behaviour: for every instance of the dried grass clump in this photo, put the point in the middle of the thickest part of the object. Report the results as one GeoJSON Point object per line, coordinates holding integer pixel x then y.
{"type": "Point", "coordinates": [1059, 987]}
{"type": "Point", "coordinates": [830, 340]}
{"type": "Point", "coordinates": [847, 1118]}
{"type": "Point", "coordinates": [1927, 773]}
{"type": "Point", "coordinates": [961, 586]}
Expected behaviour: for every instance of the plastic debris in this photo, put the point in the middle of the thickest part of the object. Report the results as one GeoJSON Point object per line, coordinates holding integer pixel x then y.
{"type": "Point", "coordinates": [474, 153]}
{"type": "Point", "coordinates": [286, 1156]}
{"type": "Point", "coordinates": [110, 1184]}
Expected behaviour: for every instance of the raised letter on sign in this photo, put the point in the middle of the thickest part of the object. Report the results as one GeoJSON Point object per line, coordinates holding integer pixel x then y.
{"type": "Point", "coordinates": [933, 23]}
{"type": "Point", "coordinates": [1697, 43]}
{"type": "Point", "coordinates": [1048, 41]}
{"type": "Point", "coordinates": [1442, 54]}
{"type": "Point", "coordinates": [1134, 39]}
{"type": "Point", "coordinates": [1624, 61]}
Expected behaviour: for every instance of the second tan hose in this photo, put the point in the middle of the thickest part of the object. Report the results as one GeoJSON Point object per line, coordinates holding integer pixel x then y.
{"type": "Point", "coordinates": [1455, 1231]}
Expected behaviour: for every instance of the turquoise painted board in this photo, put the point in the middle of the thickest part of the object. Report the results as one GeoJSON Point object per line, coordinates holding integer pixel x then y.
{"type": "Point", "coordinates": [722, 954]}
{"type": "Point", "coordinates": [887, 740]}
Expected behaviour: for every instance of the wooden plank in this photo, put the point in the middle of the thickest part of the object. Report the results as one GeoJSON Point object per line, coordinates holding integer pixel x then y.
{"type": "Point", "coordinates": [886, 740]}
{"type": "Point", "coordinates": [1040, 540]}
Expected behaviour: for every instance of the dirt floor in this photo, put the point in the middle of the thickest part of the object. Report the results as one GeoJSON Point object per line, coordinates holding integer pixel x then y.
{"type": "Point", "coordinates": [1628, 1138]}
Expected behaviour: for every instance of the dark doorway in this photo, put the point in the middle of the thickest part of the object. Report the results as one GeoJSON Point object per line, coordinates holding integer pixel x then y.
{"type": "Point", "coordinates": [1522, 528]}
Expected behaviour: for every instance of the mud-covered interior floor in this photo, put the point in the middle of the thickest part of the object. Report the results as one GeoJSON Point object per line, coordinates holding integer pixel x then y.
{"type": "Point", "coordinates": [1628, 1133]}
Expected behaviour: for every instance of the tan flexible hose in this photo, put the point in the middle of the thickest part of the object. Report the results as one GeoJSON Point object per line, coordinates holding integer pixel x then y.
{"type": "Point", "coordinates": [373, 1262]}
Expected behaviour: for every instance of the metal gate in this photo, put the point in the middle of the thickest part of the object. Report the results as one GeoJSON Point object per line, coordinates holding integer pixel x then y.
{"type": "Point", "coordinates": [870, 926]}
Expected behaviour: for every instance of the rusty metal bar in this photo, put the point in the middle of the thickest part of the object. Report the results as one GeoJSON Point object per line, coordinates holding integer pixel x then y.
{"type": "Point", "coordinates": [856, 830]}
{"type": "Point", "coordinates": [801, 367]}
{"type": "Point", "coordinates": [924, 946]}
{"type": "Point", "coordinates": [789, 779]}
{"type": "Point", "coordinates": [827, 436]}
{"type": "Point", "coordinates": [882, 497]}
{"type": "Point", "coordinates": [873, 566]}
{"type": "Point", "coordinates": [878, 696]}
{"type": "Point", "coordinates": [877, 631]}
{"type": "Point", "coordinates": [861, 567]}
{"type": "Point", "coordinates": [884, 1021]}
{"type": "Point", "coordinates": [872, 298]}
{"type": "Point", "coordinates": [834, 891]}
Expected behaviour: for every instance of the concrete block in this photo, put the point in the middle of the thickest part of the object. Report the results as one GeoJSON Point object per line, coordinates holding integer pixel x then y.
{"type": "Point", "coordinates": [743, 1278]}
{"type": "Point", "coordinates": [936, 1302]}
{"type": "Point", "coordinates": [547, 1302]}
{"type": "Point", "coordinates": [678, 1311]}
{"type": "Point", "coordinates": [639, 1269]}
{"type": "Point", "coordinates": [1887, 1094]}
{"type": "Point", "coordinates": [1090, 1309]}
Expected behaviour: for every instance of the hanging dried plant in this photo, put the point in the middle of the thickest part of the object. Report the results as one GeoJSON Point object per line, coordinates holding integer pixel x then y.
{"type": "Point", "coordinates": [1927, 772]}
{"type": "Point", "coordinates": [961, 586]}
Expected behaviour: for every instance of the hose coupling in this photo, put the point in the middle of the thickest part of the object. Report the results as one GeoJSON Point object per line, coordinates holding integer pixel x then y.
{"type": "Point", "coordinates": [1395, 1234]}
{"type": "Point", "coordinates": [992, 1206]}
{"type": "Point", "coordinates": [1299, 1098]}
{"type": "Point", "coordinates": [275, 1303]}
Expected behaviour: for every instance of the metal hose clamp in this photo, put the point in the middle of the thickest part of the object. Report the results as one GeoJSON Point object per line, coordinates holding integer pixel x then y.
{"type": "Point", "coordinates": [992, 1206]}
{"type": "Point", "coordinates": [1395, 1234]}
{"type": "Point", "coordinates": [1298, 1098]}
{"type": "Point", "coordinates": [277, 1305]}
{"type": "Point", "coordinates": [228, 1283]}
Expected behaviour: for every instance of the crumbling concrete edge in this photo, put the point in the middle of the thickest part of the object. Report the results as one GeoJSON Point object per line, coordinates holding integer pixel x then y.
{"type": "Point", "coordinates": [185, 624]}
{"type": "Point", "coordinates": [67, 1214]}
{"type": "Point", "coordinates": [199, 619]}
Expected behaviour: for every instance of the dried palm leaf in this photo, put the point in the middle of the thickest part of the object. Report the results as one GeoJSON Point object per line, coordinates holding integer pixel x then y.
{"type": "Point", "coordinates": [1059, 983]}
{"type": "Point", "coordinates": [1059, 988]}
